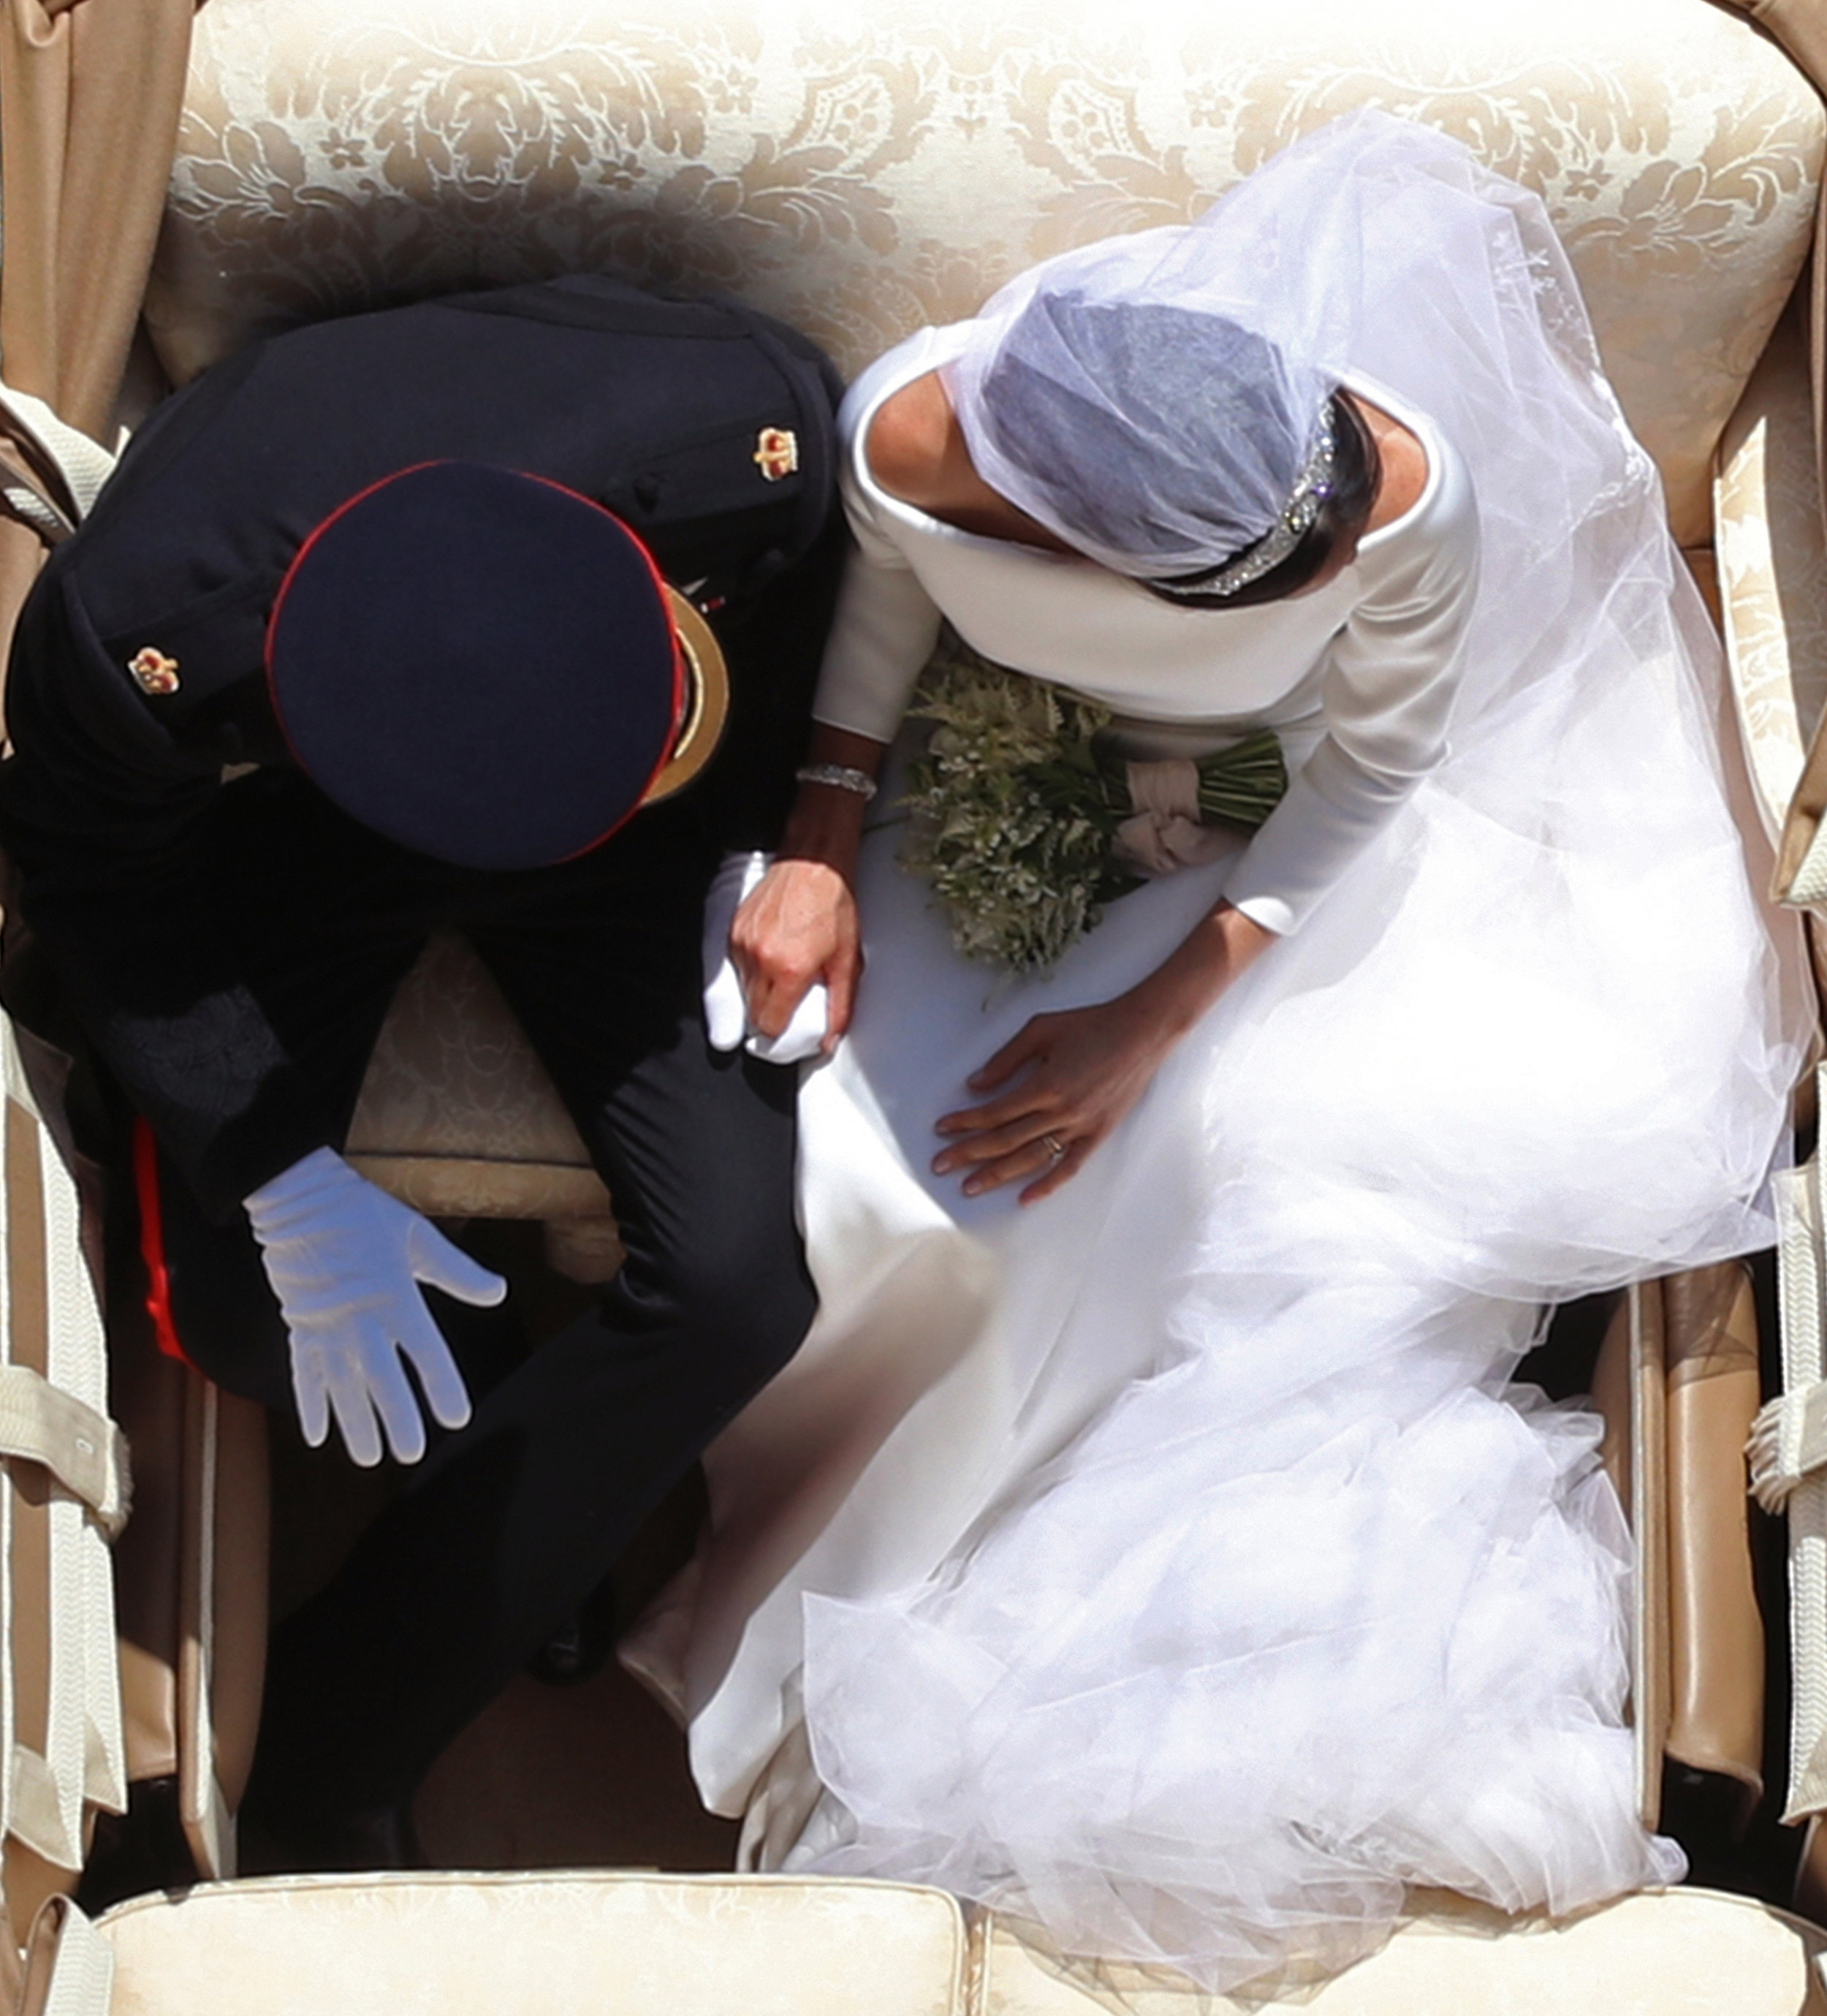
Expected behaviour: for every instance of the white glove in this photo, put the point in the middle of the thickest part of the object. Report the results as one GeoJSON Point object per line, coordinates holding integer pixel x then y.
{"type": "Point", "coordinates": [345, 1260]}
{"type": "Point", "coordinates": [726, 1008]}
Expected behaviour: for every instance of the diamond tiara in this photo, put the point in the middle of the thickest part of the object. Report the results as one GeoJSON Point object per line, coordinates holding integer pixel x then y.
{"type": "Point", "coordinates": [1312, 487]}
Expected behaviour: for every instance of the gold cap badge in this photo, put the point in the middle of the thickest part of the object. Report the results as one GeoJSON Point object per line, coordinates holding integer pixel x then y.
{"type": "Point", "coordinates": [152, 671]}
{"type": "Point", "coordinates": [777, 452]}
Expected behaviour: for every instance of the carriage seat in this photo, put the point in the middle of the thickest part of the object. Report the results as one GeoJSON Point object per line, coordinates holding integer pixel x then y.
{"type": "Point", "coordinates": [861, 171]}
{"type": "Point", "coordinates": [861, 174]}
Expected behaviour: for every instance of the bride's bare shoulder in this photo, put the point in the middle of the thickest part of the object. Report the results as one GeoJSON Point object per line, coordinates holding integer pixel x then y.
{"type": "Point", "coordinates": [1403, 462]}
{"type": "Point", "coordinates": [908, 440]}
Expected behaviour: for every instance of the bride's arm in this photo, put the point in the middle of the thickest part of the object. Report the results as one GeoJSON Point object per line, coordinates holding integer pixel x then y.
{"type": "Point", "coordinates": [1066, 1080]}
{"type": "Point", "coordinates": [1076, 1074]}
{"type": "Point", "coordinates": [800, 927]}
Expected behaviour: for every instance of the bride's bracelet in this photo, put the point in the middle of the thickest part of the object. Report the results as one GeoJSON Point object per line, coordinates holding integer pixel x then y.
{"type": "Point", "coordinates": [842, 776]}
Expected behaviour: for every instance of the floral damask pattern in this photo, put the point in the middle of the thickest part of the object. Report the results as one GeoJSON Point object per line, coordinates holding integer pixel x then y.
{"type": "Point", "coordinates": [860, 172]}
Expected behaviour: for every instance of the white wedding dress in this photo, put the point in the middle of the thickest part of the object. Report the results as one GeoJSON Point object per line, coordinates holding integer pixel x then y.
{"type": "Point", "coordinates": [1170, 1563]}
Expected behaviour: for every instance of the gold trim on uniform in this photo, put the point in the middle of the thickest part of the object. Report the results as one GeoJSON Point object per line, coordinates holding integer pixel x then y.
{"type": "Point", "coordinates": [152, 671]}
{"type": "Point", "coordinates": [706, 700]}
{"type": "Point", "coordinates": [777, 453]}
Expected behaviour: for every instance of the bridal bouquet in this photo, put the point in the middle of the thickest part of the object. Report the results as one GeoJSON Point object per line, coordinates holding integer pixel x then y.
{"type": "Point", "coordinates": [1019, 798]}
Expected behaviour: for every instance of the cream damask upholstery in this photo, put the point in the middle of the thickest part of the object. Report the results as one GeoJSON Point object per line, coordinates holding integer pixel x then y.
{"type": "Point", "coordinates": [458, 1117]}
{"type": "Point", "coordinates": [860, 169]}
{"type": "Point", "coordinates": [640, 1945]}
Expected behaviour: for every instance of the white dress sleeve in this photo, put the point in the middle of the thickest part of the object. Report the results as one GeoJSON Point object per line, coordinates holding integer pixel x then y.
{"type": "Point", "coordinates": [1386, 690]}
{"type": "Point", "coordinates": [882, 634]}
{"type": "Point", "coordinates": [885, 623]}
{"type": "Point", "coordinates": [1386, 675]}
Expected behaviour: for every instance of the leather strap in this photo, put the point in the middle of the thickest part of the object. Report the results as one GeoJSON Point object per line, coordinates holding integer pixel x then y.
{"type": "Point", "coordinates": [69, 1967]}
{"type": "Point", "coordinates": [82, 1450]}
{"type": "Point", "coordinates": [1800, 26]}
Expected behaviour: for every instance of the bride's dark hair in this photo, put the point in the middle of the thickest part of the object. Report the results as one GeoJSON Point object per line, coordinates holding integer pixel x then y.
{"type": "Point", "coordinates": [1357, 472]}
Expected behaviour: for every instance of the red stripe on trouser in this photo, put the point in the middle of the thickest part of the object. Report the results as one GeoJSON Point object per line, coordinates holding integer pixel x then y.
{"type": "Point", "coordinates": [151, 1241]}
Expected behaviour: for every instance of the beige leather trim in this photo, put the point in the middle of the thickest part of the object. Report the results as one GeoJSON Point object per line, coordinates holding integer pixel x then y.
{"type": "Point", "coordinates": [1671, 1953]}
{"type": "Point", "coordinates": [1817, 340]}
{"type": "Point", "coordinates": [1611, 1397]}
{"type": "Point", "coordinates": [1716, 1630]}
{"type": "Point", "coordinates": [1772, 565]}
{"type": "Point", "coordinates": [1801, 28]}
{"type": "Point", "coordinates": [620, 1943]}
{"type": "Point", "coordinates": [1647, 1506]}
{"type": "Point", "coordinates": [200, 1808]}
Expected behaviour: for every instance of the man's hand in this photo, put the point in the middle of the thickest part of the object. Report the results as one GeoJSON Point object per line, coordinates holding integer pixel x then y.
{"type": "Point", "coordinates": [798, 930]}
{"type": "Point", "coordinates": [345, 1260]}
{"type": "Point", "coordinates": [726, 1010]}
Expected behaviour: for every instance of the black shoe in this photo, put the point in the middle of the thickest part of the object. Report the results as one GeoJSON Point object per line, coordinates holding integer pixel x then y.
{"type": "Point", "coordinates": [580, 1648]}
{"type": "Point", "coordinates": [289, 1837]}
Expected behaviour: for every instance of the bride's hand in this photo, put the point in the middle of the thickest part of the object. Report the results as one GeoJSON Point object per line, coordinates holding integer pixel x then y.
{"type": "Point", "coordinates": [798, 926]}
{"type": "Point", "coordinates": [1077, 1074]}
{"type": "Point", "coordinates": [1072, 1076]}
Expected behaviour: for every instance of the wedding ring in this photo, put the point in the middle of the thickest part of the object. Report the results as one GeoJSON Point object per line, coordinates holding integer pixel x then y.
{"type": "Point", "coordinates": [1056, 1148]}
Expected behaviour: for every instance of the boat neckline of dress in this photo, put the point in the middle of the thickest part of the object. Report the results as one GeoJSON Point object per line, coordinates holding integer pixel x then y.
{"type": "Point", "coordinates": [1373, 390]}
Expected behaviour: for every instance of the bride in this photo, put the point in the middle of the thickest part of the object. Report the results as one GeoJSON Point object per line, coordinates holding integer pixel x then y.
{"type": "Point", "coordinates": [1147, 1542]}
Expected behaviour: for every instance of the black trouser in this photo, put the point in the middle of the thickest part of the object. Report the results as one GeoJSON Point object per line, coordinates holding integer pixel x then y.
{"type": "Point", "coordinates": [507, 1523]}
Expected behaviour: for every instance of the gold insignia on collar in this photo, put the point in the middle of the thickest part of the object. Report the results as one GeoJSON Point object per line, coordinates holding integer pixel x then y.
{"type": "Point", "coordinates": [777, 452]}
{"type": "Point", "coordinates": [152, 671]}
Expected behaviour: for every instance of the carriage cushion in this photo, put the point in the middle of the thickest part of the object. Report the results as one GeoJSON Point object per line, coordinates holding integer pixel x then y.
{"type": "Point", "coordinates": [645, 1946]}
{"type": "Point", "coordinates": [615, 1945]}
{"type": "Point", "coordinates": [1678, 1953]}
{"type": "Point", "coordinates": [457, 1115]}
{"type": "Point", "coordinates": [859, 173]}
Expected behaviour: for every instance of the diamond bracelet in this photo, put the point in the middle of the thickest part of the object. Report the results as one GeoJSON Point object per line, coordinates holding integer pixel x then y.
{"type": "Point", "coordinates": [843, 777]}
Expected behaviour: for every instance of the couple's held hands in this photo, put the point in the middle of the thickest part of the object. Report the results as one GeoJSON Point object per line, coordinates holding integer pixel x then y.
{"type": "Point", "coordinates": [731, 1020]}
{"type": "Point", "coordinates": [796, 931]}
{"type": "Point", "coordinates": [1071, 1076]}
{"type": "Point", "coordinates": [346, 1261]}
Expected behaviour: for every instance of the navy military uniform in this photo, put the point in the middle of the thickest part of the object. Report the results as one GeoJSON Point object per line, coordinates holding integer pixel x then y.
{"type": "Point", "coordinates": [230, 948]}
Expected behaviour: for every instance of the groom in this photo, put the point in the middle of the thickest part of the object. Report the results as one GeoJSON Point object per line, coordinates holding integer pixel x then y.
{"type": "Point", "coordinates": [420, 579]}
